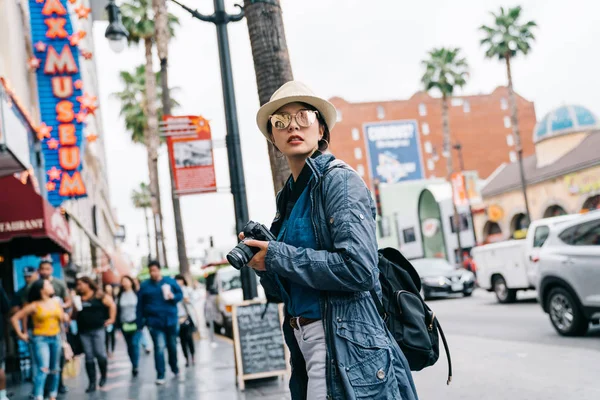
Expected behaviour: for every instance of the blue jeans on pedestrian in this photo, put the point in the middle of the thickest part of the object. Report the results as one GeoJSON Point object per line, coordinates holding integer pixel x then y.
{"type": "Point", "coordinates": [165, 338]}
{"type": "Point", "coordinates": [133, 346]}
{"type": "Point", "coordinates": [46, 350]}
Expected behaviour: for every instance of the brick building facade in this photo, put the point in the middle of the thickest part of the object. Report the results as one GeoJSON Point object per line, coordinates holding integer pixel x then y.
{"type": "Point", "coordinates": [480, 123]}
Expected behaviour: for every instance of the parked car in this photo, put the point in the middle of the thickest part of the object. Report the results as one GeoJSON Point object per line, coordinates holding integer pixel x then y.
{"type": "Point", "coordinates": [569, 275]}
{"type": "Point", "coordinates": [439, 278]}
{"type": "Point", "coordinates": [509, 266]}
{"type": "Point", "coordinates": [223, 291]}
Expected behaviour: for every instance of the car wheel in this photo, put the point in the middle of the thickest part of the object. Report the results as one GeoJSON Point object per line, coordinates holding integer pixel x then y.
{"type": "Point", "coordinates": [565, 315]}
{"type": "Point", "coordinates": [467, 294]}
{"type": "Point", "coordinates": [503, 293]}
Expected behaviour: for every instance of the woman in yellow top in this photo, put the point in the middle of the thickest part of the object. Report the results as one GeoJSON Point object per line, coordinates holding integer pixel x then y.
{"type": "Point", "coordinates": [47, 315]}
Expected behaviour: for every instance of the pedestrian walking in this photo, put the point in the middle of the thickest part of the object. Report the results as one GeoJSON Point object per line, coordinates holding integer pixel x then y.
{"type": "Point", "coordinates": [145, 335]}
{"type": "Point", "coordinates": [110, 331]}
{"type": "Point", "coordinates": [61, 293]}
{"type": "Point", "coordinates": [46, 315]}
{"type": "Point", "coordinates": [324, 262]}
{"type": "Point", "coordinates": [187, 321]}
{"type": "Point", "coordinates": [97, 312]}
{"type": "Point", "coordinates": [4, 310]}
{"type": "Point", "coordinates": [127, 321]}
{"type": "Point", "coordinates": [157, 309]}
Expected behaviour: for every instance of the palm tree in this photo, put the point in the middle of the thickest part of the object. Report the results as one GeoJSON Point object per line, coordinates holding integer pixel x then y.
{"type": "Point", "coordinates": [138, 21]}
{"type": "Point", "coordinates": [445, 70]}
{"type": "Point", "coordinates": [163, 33]}
{"type": "Point", "coordinates": [506, 39]}
{"type": "Point", "coordinates": [133, 98]}
{"type": "Point", "coordinates": [271, 65]}
{"type": "Point", "coordinates": [133, 104]}
{"type": "Point", "coordinates": [142, 199]}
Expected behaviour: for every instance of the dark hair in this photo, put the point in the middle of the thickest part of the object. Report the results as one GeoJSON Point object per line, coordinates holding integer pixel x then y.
{"type": "Point", "coordinates": [35, 292]}
{"type": "Point", "coordinates": [325, 140]}
{"type": "Point", "coordinates": [181, 277]}
{"type": "Point", "coordinates": [130, 279]}
{"type": "Point", "coordinates": [44, 262]}
{"type": "Point", "coordinates": [153, 263]}
{"type": "Point", "coordinates": [89, 281]}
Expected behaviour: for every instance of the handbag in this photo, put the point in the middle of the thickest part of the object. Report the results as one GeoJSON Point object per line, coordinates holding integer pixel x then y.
{"type": "Point", "coordinates": [74, 340]}
{"type": "Point", "coordinates": [128, 327]}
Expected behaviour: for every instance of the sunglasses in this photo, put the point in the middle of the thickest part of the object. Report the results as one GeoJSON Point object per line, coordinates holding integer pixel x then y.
{"type": "Point", "coordinates": [304, 118]}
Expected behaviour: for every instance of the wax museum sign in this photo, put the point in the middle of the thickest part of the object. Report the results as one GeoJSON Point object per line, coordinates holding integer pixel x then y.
{"type": "Point", "coordinates": [64, 104]}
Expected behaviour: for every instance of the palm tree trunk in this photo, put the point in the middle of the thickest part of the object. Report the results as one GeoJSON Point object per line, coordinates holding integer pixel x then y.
{"type": "Point", "coordinates": [152, 143]}
{"type": "Point", "coordinates": [271, 65]}
{"type": "Point", "coordinates": [515, 125]}
{"type": "Point", "coordinates": [162, 45]}
{"type": "Point", "coordinates": [148, 234]}
{"type": "Point", "coordinates": [450, 170]}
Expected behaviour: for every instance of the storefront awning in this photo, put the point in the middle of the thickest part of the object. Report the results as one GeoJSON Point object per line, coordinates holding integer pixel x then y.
{"type": "Point", "coordinates": [29, 222]}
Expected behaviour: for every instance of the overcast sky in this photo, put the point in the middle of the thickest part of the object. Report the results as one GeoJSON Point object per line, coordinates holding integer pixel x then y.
{"type": "Point", "coordinates": [357, 50]}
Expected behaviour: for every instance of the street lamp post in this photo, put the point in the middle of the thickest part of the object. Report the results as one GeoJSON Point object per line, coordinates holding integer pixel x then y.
{"type": "Point", "coordinates": [115, 32]}
{"type": "Point", "coordinates": [458, 148]}
{"type": "Point", "coordinates": [234, 153]}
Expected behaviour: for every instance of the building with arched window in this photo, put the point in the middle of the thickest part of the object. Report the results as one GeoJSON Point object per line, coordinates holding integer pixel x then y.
{"type": "Point", "coordinates": [563, 176]}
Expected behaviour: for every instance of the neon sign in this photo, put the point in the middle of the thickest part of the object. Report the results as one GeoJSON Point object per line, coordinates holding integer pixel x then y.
{"type": "Point", "coordinates": [64, 105]}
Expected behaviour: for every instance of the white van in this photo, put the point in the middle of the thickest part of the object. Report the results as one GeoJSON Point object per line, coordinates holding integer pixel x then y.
{"type": "Point", "coordinates": [509, 266]}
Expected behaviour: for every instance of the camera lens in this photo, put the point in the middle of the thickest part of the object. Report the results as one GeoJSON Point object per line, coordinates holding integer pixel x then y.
{"type": "Point", "coordinates": [240, 255]}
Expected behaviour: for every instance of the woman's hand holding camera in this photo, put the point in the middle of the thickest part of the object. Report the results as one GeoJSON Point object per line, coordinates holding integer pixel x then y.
{"type": "Point", "coordinates": [258, 261]}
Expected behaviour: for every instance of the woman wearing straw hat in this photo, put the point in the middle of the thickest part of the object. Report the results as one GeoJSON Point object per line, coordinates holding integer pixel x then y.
{"type": "Point", "coordinates": [324, 262]}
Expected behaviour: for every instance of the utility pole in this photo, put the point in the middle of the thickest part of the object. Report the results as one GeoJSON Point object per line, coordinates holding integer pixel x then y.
{"type": "Point", "coordinates": [458, 148]}
{"type": "Point", "coordinates": [234, 153]}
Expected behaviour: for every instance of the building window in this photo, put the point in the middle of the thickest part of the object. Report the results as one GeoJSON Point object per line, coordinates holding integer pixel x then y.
{"type": "Point", "coordinates": [339, 115]}
{"type": "Point", "coordinates": [360, 169]}
{"type": "Point", "coordinates": [510, 140]}
{"type": "Point", "coordinates": [355, 134]}
{"type": "Point", "coordinates": [428, 147]}
{"type": "Point", "coordinates": [430, 165]}
{"type": "Point", "coordinates": [409, 235]}
{"type": "Point", "coordinates": [456, 102]}
{"type": "Point", "coordinates": [380, 112]}
{"type": "Point", "coordinates": [507, 122]}
{"type": "Point", "coordinates": [513, 156]}
{"type": "Point", "coordinates": [425, 128]}
{"type": "Point", "coordinates": [358, 153]}
{"type": "Point", "coordinates": [503, 104]}
{"type": "Point", "coordinates": [422, 110]}
{"type": "Point", "coordinates": [464, 222]}
{"type": "Point", "coordinates": [467, 106]}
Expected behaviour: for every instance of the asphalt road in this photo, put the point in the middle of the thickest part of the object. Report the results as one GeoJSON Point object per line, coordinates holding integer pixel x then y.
{"type": "Point", "coordinates": [509, 352]}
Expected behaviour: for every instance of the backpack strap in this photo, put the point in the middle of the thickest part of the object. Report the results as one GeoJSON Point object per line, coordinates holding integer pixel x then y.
{"type": "Point", "coordinates": [439, 328]}
{"type": "Point", "coordinates": [378, 305]}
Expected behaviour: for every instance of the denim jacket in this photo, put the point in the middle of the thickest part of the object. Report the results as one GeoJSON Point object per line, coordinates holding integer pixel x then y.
{"type": "Point", "coordinates": [363, 359]}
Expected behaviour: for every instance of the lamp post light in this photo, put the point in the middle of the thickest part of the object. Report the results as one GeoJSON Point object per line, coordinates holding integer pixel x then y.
{"type": "Point", "coordinates": [458, 148]}
{"type": "Point", "coordinates": [115, 32]}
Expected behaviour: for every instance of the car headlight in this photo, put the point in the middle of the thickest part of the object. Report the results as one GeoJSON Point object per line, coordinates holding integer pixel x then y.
{"type": "Point", "coordinates": [435, 281]}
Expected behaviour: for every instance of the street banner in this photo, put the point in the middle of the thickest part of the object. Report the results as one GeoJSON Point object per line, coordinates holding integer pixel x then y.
{"type": "Point", "coordinates": [189, 142]}
{"type": "Point", "coordinates": [394, 151]}
{"type": "Point", "coordinates": [459, 192]}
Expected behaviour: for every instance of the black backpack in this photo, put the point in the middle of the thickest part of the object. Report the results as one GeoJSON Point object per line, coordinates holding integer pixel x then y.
{"type": "Point", "coordinates": [413, 324]}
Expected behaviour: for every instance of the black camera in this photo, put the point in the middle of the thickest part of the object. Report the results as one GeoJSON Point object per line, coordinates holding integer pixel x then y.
{"type": "Point", "coordinates": [242, 253]}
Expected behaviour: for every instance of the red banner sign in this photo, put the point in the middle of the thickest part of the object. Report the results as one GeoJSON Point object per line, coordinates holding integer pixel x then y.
{"type": "Point", "coordinates": [190, 153]}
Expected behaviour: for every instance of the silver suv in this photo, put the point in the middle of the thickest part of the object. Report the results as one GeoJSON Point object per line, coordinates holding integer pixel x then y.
{"type": "Point", "coordinates": [569, 275]}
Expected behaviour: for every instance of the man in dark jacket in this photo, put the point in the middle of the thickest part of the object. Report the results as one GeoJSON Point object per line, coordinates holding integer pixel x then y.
{"type": "Point", "coordinates": [157, 309]}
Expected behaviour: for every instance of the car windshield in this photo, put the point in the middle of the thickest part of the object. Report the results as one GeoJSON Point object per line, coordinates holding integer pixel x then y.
{"type": "Point", "coordinates": [230, 279]}
{"type": "Point", "coordinates": [428, 266]}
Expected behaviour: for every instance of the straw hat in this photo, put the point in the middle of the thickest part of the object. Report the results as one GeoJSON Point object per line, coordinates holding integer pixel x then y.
{"type": "Point", "coordinates": [294, 92]}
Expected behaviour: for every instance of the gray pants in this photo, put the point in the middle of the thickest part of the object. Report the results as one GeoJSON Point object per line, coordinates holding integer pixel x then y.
{"type": "Point", "coordinates": [311, 340]}
{"type": "Point", "coordinates": [93, 344]}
